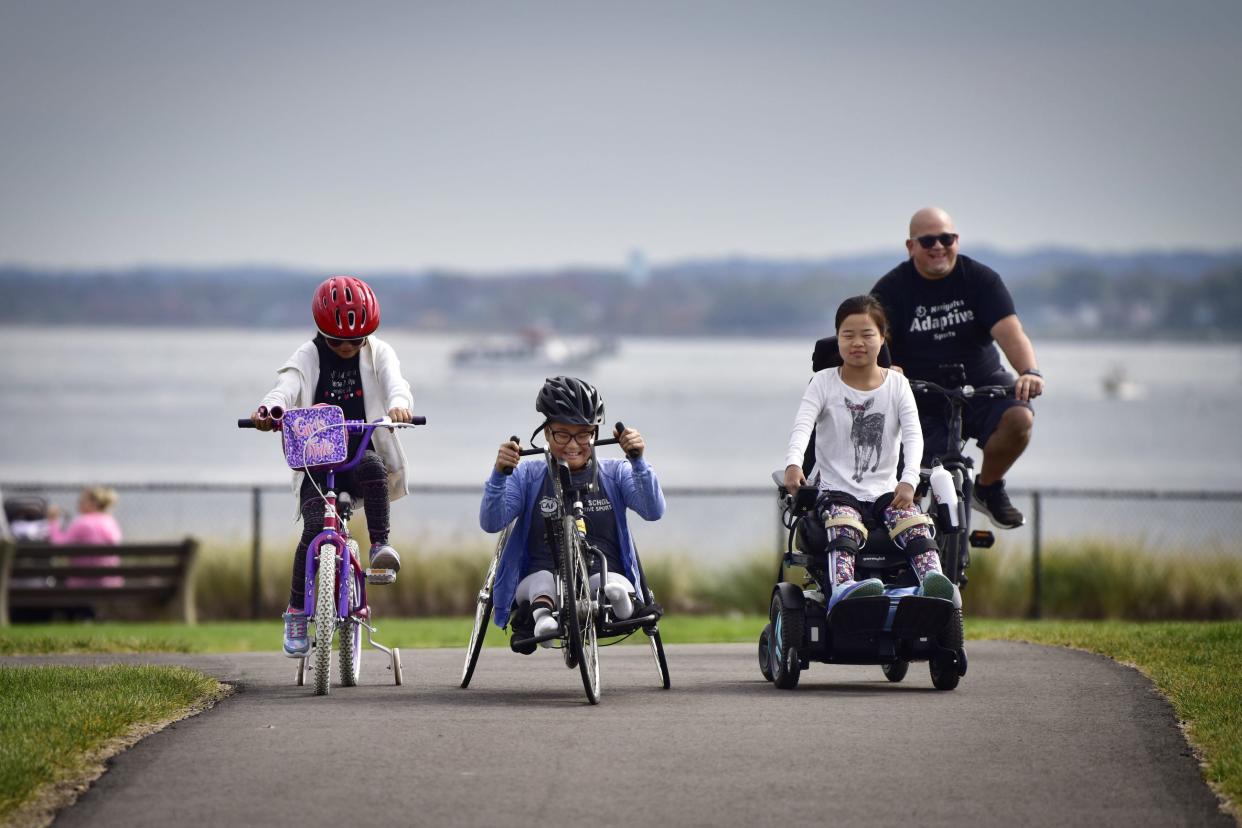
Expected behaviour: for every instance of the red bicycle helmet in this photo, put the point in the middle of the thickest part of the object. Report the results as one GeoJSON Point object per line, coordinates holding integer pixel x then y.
{"type": "Point", "coordinates": [345, 307]}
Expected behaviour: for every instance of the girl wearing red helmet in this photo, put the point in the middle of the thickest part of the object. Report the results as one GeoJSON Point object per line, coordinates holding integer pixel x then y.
{"type": "Point", "coordinates": [345, 365]}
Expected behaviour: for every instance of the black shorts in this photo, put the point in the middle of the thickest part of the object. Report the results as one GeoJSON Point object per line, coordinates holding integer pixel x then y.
{"type": "Point", "coordinates": [979, 417]}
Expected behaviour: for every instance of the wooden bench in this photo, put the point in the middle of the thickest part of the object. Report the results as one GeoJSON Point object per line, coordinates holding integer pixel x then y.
{"type": "Point", "coordinates": [158, 578]}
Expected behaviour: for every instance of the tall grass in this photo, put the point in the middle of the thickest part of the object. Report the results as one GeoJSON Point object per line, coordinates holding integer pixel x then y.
{"type": "Point", "coordinates": [1090, 579]}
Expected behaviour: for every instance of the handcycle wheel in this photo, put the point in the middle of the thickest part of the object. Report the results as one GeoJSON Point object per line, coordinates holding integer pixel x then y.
{"type": "Point", "coordinates": [787, 623]}
{"type": "Point", "coordinates": [325, 617]}
{"type": "Point", "coordinates": [657, 650]}
{"type": "Point", "coordinates": [895, 671]}
{"type": "Point", "coordinates": [577, 614]}
{"type": "Point", "coordinates": [946, 672]}
{"type": "Point", "coordinates": [482, 614]}
{"type": "Point", "coordinates": [350, 639]}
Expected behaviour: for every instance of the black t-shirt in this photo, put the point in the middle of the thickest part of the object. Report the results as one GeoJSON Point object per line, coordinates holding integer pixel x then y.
{"type": "Point", "coordinates": [340, 383]}
{"type": "Point", "coordinates": [600, 520]}
{"type": "Point", "coordinates": [935, 322]}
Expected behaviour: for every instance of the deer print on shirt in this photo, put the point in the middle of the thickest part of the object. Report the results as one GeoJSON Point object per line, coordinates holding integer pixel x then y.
{"type": "Point", "coordinates": [867, 435]}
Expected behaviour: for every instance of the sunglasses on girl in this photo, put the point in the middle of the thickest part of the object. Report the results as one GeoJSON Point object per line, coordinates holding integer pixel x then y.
{"type": "Point", "coordinates": [336, 343]}
{"type": "Point", "coordinates": [929, 241]}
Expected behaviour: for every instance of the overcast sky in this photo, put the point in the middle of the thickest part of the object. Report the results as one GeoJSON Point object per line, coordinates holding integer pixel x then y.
{"type": "Point", "coordinates": [482, 136]}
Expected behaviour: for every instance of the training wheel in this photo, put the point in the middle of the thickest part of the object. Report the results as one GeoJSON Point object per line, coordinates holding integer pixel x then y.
{"type": "Point", "coordinates": [301, 672]}
{"type": "Point", "coordinates": [396, 666]}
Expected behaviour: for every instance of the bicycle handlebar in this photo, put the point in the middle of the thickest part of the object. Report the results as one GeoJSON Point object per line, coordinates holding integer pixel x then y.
{"type": "Point", "coordinates": [608, 441]}
{"type": "Point", "coordinates": [964, 392]}
{"type": "Point", "coordinates": [351, 425]}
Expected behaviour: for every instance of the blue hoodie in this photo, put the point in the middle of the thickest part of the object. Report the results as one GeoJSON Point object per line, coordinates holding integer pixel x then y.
{"type": "Point", "coordinates": [626, 483]}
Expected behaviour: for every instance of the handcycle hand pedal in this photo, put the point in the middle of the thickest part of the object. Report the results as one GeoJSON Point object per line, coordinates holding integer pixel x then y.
{"type": "Point", "coordinates": [381, 576]}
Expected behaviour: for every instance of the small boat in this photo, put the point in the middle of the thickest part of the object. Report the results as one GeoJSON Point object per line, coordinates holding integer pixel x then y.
{"type": "Point", "coordinates": [533, 348]}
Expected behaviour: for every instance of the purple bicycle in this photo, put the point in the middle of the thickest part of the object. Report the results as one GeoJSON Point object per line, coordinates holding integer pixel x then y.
{"type": "Point", "coordinates": [335, 592]}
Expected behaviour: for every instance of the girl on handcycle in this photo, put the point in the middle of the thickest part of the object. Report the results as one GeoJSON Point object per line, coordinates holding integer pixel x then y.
{"type": "Point", "coordinates": [859, 412]}
{"type": "Point", "coordinates": [343, 365]}
{"type": "Point", "coordinates": [573, 412]}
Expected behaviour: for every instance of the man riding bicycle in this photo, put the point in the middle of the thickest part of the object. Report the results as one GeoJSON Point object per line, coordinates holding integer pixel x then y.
{"type": "Point", "coordinates": [947, 309]}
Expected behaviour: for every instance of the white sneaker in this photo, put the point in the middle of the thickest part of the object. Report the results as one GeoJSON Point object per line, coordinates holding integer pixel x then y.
{"type": "Point", "coordinates": [545, 624]}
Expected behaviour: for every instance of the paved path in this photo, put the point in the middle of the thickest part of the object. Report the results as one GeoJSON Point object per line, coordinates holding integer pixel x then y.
{"type": "Point", "coordinates": [1033, 736]}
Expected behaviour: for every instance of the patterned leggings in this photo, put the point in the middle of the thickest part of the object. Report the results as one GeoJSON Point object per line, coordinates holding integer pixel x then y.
{"type": "Point", "coordinates": [842, 563]}
{"type": "Point", "coordinates": [368, 480]}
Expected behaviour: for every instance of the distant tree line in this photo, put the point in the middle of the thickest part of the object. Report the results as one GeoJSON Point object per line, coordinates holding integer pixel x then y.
{"type": "Point", "coordinates": [726, 297]}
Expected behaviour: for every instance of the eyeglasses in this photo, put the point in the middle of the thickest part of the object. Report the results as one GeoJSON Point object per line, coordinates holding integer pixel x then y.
{"type": "Point", "coordinates": [336, 343]}
{"type": "Point", "coordinates": [562, 438]}
{"type": "Point", "coordinates": [929, 241]}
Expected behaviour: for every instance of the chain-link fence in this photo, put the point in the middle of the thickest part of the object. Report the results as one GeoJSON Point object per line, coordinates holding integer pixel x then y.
{"type": "Point", "coordinates": [1082, 553]}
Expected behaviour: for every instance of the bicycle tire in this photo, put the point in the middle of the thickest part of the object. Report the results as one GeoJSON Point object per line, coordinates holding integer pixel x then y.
{"type": "Point", "coordinates": [576, 613]}
{"type": "Point", "coordinates": [482, 614]}
{"type": "Point", "coordinates": [350, 638]}
{"type": "Point", "coordinates": [657, 650]}
{"type": "Point", "coordinates": [325, 617]}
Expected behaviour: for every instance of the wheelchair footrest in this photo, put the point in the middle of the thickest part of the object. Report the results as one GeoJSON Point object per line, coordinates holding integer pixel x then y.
{"type": "Point", "coordinates": [919, 617]}
{"type": "Point", "coordinates": [381, 576]}
{"type": "Point", "coordinates": [859, 616]}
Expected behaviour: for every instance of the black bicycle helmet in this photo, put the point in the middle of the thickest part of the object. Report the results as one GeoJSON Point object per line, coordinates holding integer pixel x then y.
{"type": "Point", "coordinates": [570, 400]}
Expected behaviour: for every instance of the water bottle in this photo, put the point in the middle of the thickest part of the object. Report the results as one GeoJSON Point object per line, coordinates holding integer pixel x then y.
{"type": "Point", "coordinates": [945, 493]}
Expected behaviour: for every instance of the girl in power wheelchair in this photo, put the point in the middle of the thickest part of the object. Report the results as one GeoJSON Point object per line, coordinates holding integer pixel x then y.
{"type": "Point", "coordinates": [862, 414]}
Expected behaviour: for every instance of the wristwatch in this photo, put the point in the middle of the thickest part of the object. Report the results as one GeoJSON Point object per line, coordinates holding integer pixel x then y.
{"type": "Point", "coordinates": [1034, 372]}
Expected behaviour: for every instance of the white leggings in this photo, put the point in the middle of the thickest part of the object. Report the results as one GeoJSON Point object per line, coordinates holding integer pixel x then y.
{"type": "Point", "coordinates": [540, 583]}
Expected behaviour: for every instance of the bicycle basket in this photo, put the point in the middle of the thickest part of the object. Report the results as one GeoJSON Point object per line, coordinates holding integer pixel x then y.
{"type": "Point", "coordinates": [314, 438]}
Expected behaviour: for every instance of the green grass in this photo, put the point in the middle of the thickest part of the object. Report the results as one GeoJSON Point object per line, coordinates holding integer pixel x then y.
{"type": "Point", "coordinates": [1196, 665]}
{"type": "Point", "coordinates": [261, 636]}
{"type": "Point", "coordinates": [52, 719]}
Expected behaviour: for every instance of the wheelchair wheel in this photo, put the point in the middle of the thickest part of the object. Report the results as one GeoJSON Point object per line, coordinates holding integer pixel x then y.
{"type": "Point", "coordinates": [482, 614]}
{"type": "Point", "coordinates": [350, 638]}
{"type": "Point", "coordinates": [765, 655]}
{"type": "Point", "coordinates": [657, 651]}
{"type": "Point", "coordinates": [577, 615]}
{"type": "Point", "coordinates": [325, 617]}
{"type": "Point", "coordinates": [895, 671]}
{"type": "Point", "coordinates": [946, 671]}
{"type": "Point", "coordinates": [787, 623]}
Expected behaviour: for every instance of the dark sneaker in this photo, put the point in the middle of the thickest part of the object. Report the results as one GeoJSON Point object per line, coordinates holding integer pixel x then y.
{"type": "Point", "coordinates": [992, 501]}
{"type": "Point", "coordinates": [384, 556]}
{"type": "Point", "coordinates": [936, 585]}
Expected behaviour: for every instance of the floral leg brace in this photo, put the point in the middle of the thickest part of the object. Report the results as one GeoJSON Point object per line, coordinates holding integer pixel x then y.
{"type": "Point", "coordinates": [924, 563]}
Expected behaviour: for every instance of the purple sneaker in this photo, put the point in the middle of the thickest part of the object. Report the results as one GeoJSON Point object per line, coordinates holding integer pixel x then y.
{"type": "Point", "coordinates": [297, 639]}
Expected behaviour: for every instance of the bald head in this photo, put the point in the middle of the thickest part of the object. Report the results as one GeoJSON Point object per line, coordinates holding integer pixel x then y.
{"type": "Point", "coordinates": [937, 261]}
{"type": "Point", "coordinates": [930, 220]}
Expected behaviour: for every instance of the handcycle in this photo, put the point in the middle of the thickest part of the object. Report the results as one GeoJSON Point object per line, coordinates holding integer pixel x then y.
{"type": "Point", "coordinates": [900, 626]}
{"type": "Point", "coordinates": [335, 585]}
{"type": "Point", "coordinates": [583, 615]}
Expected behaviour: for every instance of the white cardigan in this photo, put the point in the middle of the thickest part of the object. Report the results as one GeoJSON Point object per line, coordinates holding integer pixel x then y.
{"type": "Point", "coordinates": [383, 388]}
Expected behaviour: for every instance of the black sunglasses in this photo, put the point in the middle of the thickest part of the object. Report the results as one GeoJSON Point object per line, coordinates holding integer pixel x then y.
{"type": "Point", "coordinates": [336, 343]}
{"type": "Point", "coordinates": [945, 239]}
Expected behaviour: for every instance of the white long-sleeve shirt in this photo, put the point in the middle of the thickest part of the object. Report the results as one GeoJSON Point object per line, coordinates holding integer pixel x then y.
{"type": "Point", "coordinates": [857, 433]}
{"type": "Point", "coordinates": [383, 388]}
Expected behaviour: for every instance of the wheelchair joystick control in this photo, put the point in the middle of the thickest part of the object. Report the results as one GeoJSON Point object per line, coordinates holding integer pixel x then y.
{"type": "Point", "coordinates": [946, 495]}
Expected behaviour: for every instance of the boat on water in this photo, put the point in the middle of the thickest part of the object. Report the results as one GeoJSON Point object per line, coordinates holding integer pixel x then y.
{"type": "Point", "coordinates": [533, 348]}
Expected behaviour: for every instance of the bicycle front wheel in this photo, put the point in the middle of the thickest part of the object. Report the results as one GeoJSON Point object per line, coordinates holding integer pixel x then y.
{"type": "Point", "coordinates": [325, 617]}
{"type": "Point", "coordinates": [578, 615]}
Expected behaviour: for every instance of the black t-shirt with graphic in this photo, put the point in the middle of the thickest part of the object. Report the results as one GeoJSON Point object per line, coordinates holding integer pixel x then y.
{"type": "Point", "coordinates": [600, 520]}
{"type": "Point", "coordinates": [340, 383]}
{"type": "Point", "coordinates": [935, 322]}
